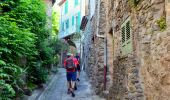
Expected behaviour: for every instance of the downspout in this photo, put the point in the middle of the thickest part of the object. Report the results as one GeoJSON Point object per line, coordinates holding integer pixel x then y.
{"type": "Point", "coordinates": [105, 45]}
{"type": "Point", "coordinates": [105, 63]}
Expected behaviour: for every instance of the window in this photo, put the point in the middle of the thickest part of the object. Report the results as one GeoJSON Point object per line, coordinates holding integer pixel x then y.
{"type": "Point", "coordinates": [76, 2]}
{"type": "Point", "coordinates": [67, 23]}
{"type": "Point", "coordinates": [126, 37]}
{"type": "Point", "coordinates": [66, 7]}
{"type": "Point", "coordinates": [72, 20]}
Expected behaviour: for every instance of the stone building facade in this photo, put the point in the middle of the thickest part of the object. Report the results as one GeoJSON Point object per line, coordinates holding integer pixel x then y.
{"type": "Point", "coordinates": [131, 39]}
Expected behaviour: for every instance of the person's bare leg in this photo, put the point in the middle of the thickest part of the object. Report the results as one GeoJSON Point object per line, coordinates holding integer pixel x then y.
{"type": "Point", "coordinates": [78, 75]}
{"type": "Point", "coordinates": [69, 86]}
{"type": "Point", "coordinates": [72, 85]}
{"type": "Point", "coordinates": [72, 88]}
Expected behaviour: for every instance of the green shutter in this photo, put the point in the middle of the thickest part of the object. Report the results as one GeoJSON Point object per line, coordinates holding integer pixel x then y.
{"type": "Point", "coordinates": [126, 37]}
{"type": "Point", "coordinates": [72, 20]}
{"type": "Point", "coordinates": [123, 34]}
{"type": "Point", "coordinates": [128, 30]}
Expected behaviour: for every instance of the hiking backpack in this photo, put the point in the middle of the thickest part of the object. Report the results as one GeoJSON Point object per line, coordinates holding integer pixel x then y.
{"type": "Point", "coordinates": [70, 63]}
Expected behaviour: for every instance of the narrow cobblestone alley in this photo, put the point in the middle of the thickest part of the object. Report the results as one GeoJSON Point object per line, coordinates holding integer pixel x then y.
{"type": "Point", "coordinates": [57, 89]}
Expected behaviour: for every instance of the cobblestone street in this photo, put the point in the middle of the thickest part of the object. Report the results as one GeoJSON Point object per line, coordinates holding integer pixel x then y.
{"type": "Point", "coordinates": [57, 89]}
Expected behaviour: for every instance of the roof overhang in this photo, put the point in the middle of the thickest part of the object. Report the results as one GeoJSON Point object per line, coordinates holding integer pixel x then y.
{"type": "Point", "coordinates": [61, 2]}
{"type": "Point", "coordinates": [53, 1]}
{"type": "Point", "coordinates": [69, 41]}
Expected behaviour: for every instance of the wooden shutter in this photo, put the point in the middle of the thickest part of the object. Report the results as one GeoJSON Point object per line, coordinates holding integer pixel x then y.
{"type": "Point", "coordinates": [126, 37]}
{"type": "Point", "coordinates": [123, 34]}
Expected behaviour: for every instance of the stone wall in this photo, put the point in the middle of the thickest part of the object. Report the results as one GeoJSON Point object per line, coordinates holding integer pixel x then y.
{"type": "Point", "coordinates": [143, 74]}
{"type": "Point", "coordinates": [154, 51]}
{"type": "Point", "coordinates": [94, 45]}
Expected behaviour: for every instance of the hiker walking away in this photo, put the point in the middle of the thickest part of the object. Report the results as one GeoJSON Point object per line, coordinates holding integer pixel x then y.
{"type": "Point", "coordinates": [70, 64]}
{"type": "Point", "coordinates": [78, 66]}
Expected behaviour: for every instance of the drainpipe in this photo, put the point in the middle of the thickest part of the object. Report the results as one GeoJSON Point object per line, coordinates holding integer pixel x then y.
{"type": "Point", "coordinates": [105, 62]}
{"type": "Point", "coordinates": [105, 45]}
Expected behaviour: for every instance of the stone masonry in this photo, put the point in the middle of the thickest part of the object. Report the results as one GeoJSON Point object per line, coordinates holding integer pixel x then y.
{"type": "Point", "coordinates": [144, 73]}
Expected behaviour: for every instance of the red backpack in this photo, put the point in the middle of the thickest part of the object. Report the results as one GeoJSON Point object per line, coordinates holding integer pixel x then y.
{"type": "Point", "coordinates": [70, 63]}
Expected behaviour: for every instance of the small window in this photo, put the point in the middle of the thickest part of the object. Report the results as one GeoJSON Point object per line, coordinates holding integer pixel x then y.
{"type": "Point", "coordinates": [126, 36]}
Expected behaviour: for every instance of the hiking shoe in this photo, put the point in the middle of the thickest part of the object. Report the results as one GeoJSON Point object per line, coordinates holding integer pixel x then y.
{"type": "Point", "coordinates": [78, 79]}
{"type": "Point", "coordinates": [72, 94]}
{"type": "Point", "coordinates": [68, 92]}
{"type": "Point", "coordinates": [75, 88]}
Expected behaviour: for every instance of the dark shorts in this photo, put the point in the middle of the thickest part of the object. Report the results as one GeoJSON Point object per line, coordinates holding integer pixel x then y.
{"type": "Point", "coordinates": [78, 68]}
{"type": "Point", "coordinates": [71, 76]}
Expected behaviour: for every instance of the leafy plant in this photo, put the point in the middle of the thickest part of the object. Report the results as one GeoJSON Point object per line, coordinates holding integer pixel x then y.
{"type": "Point", "coordinates": [162, 23]}
{"type": "Point", "coordinates": [134, 3]}
{"type": "Point", "coordinates": [26, 51]}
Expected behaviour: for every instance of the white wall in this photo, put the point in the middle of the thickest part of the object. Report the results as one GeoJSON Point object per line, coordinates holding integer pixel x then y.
{"type": "Point", "coordinates": [92, 7]}
{"type": "Point", "coordinates": [72, 11]}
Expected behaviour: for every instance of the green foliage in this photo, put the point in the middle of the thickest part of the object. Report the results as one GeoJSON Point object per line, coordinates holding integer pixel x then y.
{"type": "Point", "coordinates": [23, 29]}
{"type": "Point", "coordinates": [6, 91]}
{"type": "Point", "coordinates": [11, 81]}
{"type": "Point", "coordinates": [8, 5]}
{"type": "Point", "coordinates": [25, 36]}
{"type": "Point", "coordinates": [38, 74]}
{"type": "Point", "coordinates": [134, 3]}
{"type": "Point", "coordinates": [46, 52]}
{"type": "Point", "coordinates": [162, 23]}
{"type": "Point", "coordinates": [55, 22]}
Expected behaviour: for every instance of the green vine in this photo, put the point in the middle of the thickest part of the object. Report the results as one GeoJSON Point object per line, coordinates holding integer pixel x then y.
{"type": "Point", "coordinates": [162, 23]}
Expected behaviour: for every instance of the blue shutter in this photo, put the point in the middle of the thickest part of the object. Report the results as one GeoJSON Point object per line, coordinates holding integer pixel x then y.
{"type": "Point", "coordinates": [72, 20]}
{"type": "Point", "coordinates": [68, 22]}
{"type": "Point", "coordinates": [75, 3]}
{"type": "Point", "coordinates": [66, 7]}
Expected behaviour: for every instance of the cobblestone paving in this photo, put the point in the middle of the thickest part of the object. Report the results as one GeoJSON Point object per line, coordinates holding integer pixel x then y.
{"type": "Point", "coordinates": [57, 89]}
